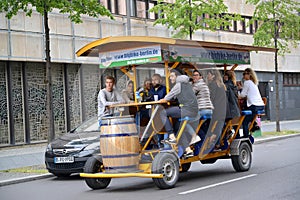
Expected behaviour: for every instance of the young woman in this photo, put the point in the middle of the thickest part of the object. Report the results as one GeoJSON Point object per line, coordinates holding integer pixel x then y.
{"type": "Point", "coordinates": [254, 100]}
{"type": "Point", "coordinates": [127, 93]}
{"type": "Point", "coordinates": [232, 95]}
{"type": "Point", "coordinates": [218, 98]}
{"type": "Point", "coordinates": [202, 93]}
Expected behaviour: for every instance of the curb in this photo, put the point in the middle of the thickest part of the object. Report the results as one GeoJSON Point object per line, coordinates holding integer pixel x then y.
{"type": "Point", "coordinates": [25, 179]}
{"type": "Point", "coordinates": [264, 140]}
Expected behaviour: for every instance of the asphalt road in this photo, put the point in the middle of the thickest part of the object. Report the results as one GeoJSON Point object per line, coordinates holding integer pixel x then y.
{"type": "Point", "coordinates": [274, 174]}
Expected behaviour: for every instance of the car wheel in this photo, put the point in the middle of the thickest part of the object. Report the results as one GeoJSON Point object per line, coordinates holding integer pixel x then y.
{"type": "Point", "coordinates": [185, 167]}
{"type": "Point", "coordinates": [94, 165]}
{"type": "Point", "coordinates": [168, 165]}
{"type": "Point", "coordinates": [242, 162]}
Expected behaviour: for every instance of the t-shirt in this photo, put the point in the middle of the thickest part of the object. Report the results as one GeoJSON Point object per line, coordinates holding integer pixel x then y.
{"type": "Point", "coordinates": [250, 90]}
{"type": "Point", "coordinates": [106, 98]}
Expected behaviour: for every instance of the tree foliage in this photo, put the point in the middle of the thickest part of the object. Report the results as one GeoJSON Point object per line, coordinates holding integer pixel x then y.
{"type": "Point", "coordinates": [277, 18]}
{"type": "Point", "coordinates": [187, 16]}
{"type": "Point", "coordinates": [75, 8]}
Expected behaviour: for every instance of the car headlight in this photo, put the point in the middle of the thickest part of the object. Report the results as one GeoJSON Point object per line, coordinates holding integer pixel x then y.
{"type": "Point", "coordinates": [92, 147]}
{"type": "Point", "coordinates": [49, 148]}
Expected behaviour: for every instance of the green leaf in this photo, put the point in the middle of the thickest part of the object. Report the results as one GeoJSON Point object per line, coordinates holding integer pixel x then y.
{"type": "Point", "coordinates": [75, 8]}
{"type": "Point", "coordinates": [277, 15]}
{"type": "Point", "coordinates": [185, 14]}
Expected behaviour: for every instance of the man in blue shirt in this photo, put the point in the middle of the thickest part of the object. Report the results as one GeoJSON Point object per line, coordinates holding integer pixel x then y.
{"type": "Point", "coordinates": [157, 87]}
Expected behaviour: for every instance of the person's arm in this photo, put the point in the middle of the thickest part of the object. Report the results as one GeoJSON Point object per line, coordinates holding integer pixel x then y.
{"type": "Point", "coordinates": [244, 91]}
{"type": "Point", "coordinates": [118, 97]}
{"type": "Point", "coordinates": [174, 92]}
{"type": "Point", "coordinates": [196, 88]}
{"type": "Point", "coordinates": [213, 92]}
{"type": "Point", "coordinates": [101, 98]}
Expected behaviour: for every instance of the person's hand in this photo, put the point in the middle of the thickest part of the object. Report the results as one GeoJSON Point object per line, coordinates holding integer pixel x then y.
{"type": "Point", "coordinates": [162, 101]}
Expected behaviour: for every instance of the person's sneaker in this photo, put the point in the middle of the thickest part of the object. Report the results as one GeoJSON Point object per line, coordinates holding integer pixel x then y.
{"type": "Point", "coordinates": [229, 134]}
{"type": "Point", "coordinates": [195, 139]}
{"type": "Point", "coordinates": [189, 154]}
{"type": "Point", "coordinates": [172, 141]}
{"type": "Point", "coordinates": [255, 127]}
{"type": "Point", "coordinates": [169, 141]}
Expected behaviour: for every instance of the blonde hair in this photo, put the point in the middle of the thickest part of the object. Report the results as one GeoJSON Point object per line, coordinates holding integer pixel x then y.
{"type": "Point", "coordinates": [231, 76]}
{"type": "Point", "coordinates": [217, 77]}
{"type": "Point", "coordinates": [252, 74]}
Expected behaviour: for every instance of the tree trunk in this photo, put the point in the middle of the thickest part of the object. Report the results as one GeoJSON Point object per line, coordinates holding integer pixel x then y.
{"type": "Point", "coordinates": [190, 15]}
{"type": "Point", "coordinates": [276, 31]}
{"type": "Point", "coordinates": [277, 90]}
{"type": "Point", "coordinates": [51, 134]}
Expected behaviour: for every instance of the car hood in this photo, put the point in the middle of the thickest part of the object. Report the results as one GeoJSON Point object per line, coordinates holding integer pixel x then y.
{"type": "Point", "coordinates": [75, 140]}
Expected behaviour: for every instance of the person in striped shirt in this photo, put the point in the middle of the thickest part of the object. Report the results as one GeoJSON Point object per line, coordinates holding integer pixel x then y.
{"type": "Point", "coordinates": [202, 93]}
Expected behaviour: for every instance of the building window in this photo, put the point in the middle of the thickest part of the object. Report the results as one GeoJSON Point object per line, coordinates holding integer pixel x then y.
{"type": "Point", "coordinates": [152, 15]}
{"type": "Point", "coordinates": [117, 7]}
{"type": "Point", "coordinates": [241, 27]}
{"type": "Point", "coordinates": [138, 8]}
{"type": "Point", "coordinates": [291, 79]}
{"type": "Point", "coordinates": [141, 9]}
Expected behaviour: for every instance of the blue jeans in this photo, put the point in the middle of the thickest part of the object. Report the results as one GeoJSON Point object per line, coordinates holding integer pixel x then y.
{"type": "Point", "coordinates": [249, 118]}
{"type": "Point", "coordinates": [203, 112]}
{"type": "Point", "coordinates": [177, 112]}
{"type": "Point", "coordinates": [174, 112]}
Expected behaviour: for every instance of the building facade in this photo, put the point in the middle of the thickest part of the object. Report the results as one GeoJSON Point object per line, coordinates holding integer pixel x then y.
{"type": "Point", "coordinates": [76, 82]}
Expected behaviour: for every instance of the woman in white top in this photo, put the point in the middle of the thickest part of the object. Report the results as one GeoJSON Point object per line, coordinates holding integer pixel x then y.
{"type": "Point", "coordinates": [254, 100]}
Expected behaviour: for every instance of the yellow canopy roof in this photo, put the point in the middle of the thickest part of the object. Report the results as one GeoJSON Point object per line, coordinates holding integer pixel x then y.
{"type": "Point", "coordinates": [115, 43]}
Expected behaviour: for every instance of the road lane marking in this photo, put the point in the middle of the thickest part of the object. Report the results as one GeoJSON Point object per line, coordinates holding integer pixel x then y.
{"type": "Point", "coordinates": [217, 184]}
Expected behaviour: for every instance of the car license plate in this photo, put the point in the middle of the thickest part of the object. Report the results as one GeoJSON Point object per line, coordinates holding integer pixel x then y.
{"type": "Point", "coordinates": [69, 159]}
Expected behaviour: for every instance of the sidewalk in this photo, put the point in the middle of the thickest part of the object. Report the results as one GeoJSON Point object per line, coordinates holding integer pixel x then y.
{"type": "Point", "coordinates": [31, 155]}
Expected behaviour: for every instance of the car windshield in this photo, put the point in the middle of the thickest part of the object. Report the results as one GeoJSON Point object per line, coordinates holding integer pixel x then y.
{"type": "Point", "coordinates": [88, 126]}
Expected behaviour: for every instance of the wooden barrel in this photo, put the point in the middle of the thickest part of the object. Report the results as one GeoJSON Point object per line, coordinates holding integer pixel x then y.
{"type": "Point", "coordinates": [119, 144]}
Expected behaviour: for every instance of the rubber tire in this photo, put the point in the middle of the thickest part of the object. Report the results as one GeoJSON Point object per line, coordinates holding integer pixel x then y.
{"type": "Point", "coordinates": [168, 165]}
{"type": "Point", "coordinates": [185, 167]}
{"type": "Point", "coordinates": [93, 165]}
{"type": "Point", "coordinates": [242, 162]}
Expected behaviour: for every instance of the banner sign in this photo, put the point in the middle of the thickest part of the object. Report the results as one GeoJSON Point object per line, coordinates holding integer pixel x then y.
{"type": "Point", "coordinates": [149, 54]}
{"type": "Point", "coordinates": [198, 54]}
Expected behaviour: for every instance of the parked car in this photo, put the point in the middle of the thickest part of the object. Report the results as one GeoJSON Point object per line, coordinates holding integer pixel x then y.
{"type": "Point", "coordinates": [68, 153]}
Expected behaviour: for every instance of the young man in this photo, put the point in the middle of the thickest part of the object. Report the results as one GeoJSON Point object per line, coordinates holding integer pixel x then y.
{"type": "Point", "coordinates": [188, 106]}
{"type": "Point", "coordinates": [106, 97]}
{"type": "Point", "coordinates": [157, 87]}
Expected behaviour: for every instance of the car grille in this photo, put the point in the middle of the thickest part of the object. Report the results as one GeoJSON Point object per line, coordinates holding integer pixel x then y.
{"type": "Point", "coordinates": [74, 165]}
{"type": "Point", "coordinates": [65, 151]}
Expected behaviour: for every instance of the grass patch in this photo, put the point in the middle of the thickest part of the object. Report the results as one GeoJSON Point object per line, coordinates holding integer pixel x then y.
{"type": "Point", "coordinates": [37, 169]}
{"type": "Point", "coordinates": [274, 133]}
